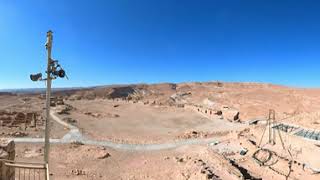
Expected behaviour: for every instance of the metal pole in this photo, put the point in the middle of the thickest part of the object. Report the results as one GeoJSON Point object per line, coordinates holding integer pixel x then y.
{"type": "Point", "coordinates": [269, 125]}
{"type": "Point", "coordinates": [49, 67]}
{"type": "Point", "coordinates": [273, 129]}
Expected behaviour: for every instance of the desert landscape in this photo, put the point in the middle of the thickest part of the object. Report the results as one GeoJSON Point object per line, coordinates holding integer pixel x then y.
{"type": "Point", "coordinates": [187, 131]}
{"type": "Point", "coordinates": [159, 90]}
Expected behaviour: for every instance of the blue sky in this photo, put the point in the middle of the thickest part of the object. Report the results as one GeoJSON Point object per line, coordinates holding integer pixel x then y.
{"type": "Point", "coordinates": [129, 41]}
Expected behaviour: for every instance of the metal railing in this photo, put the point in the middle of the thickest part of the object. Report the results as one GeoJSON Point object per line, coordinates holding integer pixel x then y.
{"type": "Point", "coordinates": [26, 170]}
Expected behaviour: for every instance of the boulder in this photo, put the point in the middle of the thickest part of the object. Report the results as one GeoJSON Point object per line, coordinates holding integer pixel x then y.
{"type": "Point", "coordinates": [103, 155]}
{"type": "Point", "coordinates": [219, 113]}
{"type": "Point", "coordinates": [3, 154]}
{"type": "Point", "coordinates": [231, 114]}
{"type": "Point", "coordinates": [7, 145]}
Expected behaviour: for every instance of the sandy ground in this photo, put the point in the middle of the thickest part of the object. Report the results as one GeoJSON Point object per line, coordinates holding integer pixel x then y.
{"type": "Point", "coordinates": [190, 162]}
{"type": "Point", "coordinates": [182, 163]}
{"type": "Point", "coordinates": [72, 161]}
{"type": "Point", "coordinates": [138, 123]}
{"type": "Point", "coordinates": [7, 101]}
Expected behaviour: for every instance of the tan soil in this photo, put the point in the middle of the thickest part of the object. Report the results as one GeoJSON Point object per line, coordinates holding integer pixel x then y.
{"type": "Point", "coordinates": [153, 114]}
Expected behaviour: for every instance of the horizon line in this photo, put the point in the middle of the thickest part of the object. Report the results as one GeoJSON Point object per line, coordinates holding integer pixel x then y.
{"type": "Point", "coordinates": [154, 83]}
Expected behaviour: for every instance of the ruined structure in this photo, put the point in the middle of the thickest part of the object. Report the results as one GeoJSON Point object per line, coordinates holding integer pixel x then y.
{"type": "Point", "coordinates": [54, 101]}
{"type": "Point", "coordinates": [225, 113]}
{"type": "Point", "coordinates": [7, 153]}
{"type": "Point", "coordinates": [16, 119]}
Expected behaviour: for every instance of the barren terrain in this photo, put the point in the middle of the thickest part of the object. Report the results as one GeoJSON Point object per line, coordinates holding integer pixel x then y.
{"type": "Point", "coordinates": [139, 123]}
{"type": "Point", "coordinates": [206, 130]}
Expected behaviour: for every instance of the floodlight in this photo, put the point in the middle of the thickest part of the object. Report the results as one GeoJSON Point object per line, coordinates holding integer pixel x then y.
{"type": "Point", "coordinates": [36, 77]}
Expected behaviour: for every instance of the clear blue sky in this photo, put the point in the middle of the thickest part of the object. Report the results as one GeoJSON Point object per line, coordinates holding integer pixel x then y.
{"type": "Point", "coordinates": [128, 41]}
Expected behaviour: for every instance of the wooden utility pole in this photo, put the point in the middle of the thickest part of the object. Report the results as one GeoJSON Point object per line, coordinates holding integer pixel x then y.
{"type": "Point", "coordinates": [48, 96]}
{"type": "Point", "coordinates": [54, 71]}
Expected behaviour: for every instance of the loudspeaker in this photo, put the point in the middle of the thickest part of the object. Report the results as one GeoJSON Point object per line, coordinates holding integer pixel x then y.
{"type": "Point", "coordinates": [61, 73]}
{"type": "Point", "coordinates": [36, 77]}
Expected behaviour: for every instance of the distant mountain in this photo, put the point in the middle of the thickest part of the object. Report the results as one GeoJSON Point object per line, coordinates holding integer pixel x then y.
{"type": "Point", "coordinates": [36, 90]}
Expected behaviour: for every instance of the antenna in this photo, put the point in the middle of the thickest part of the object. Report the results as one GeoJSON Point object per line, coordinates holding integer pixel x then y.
{"type": "Point", "coordinates": [271, 123]}
{"type": "Point", "coordinates": [271, 131]}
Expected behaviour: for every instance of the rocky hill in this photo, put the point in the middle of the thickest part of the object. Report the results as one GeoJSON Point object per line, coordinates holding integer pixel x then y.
{"type": "Point", "coordinates": [251, 99]}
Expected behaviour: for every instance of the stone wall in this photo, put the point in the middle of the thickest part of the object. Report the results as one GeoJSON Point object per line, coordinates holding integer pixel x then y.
{"type": "Point", "coordinates": [223, 113]}
{"type": "Point", "coordinates": [54, 101]}
{"type": "Point", "coordinates": [7, 152]}
{"type": "Point", "coordinates": [207, 112]}
{"type": "Point", "coordinates": [15, 119]}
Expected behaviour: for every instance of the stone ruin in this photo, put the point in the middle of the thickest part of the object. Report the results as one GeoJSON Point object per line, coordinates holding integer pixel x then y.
{"type": "Point", "coordinates": [224, 112]}
{"type": "Point", "coordinates": [7, 153]}
{"type": "Point", "coordinates": [55, 101]}
{"type": "Point", "coordinates": [16, 119]}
